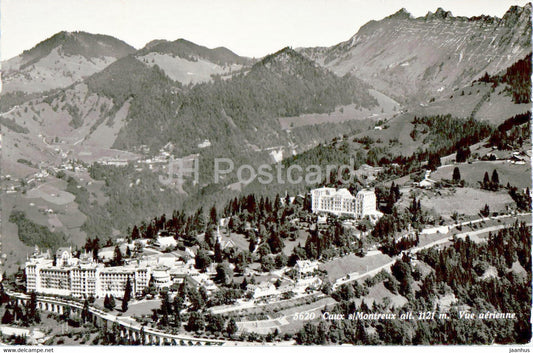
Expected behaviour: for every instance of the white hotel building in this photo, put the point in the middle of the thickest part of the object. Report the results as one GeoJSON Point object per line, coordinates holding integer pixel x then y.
{"type": "Point", "coordinates": [342, 203]}
{"type": "Point", "coordinates": [83, 277]}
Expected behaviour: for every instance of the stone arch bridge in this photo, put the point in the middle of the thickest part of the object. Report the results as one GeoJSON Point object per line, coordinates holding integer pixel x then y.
{"type": "Point", "coordinates": [131, 332]}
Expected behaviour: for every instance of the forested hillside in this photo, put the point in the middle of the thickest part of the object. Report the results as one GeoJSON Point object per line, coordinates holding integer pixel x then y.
{"type": "Point", "coordinates": [517, 78]}
{"type": "Point", "coordinates": [229, 113]}
{"type": "Point", "coordinates": [456, 270]}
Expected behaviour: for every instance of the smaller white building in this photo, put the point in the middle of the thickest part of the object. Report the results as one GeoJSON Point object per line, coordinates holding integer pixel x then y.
{"type": "Point", "coordinates": [204, 144]}
{"type": "Point", "coordinates": [165, 242]}
{"type": "Point", "coordinates": [263, 290]}
{"type": "Point", "coordinates": [427, 183]}
{"type": "Point", "coordinates": [305, 267]}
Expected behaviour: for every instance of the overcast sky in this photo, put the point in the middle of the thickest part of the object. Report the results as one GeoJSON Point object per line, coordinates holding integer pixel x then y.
{"type": "Point", "coordinates": [248, 27]}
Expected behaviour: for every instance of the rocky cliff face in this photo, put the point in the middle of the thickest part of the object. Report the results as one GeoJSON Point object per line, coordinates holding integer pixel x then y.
{"type": "Point", "coordinates": [416, 58]}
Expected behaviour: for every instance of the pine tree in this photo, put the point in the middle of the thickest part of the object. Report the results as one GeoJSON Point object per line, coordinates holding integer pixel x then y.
{"type": "Point", "coordinates": [135, 233]}
{"type": "Point", "coordinates": [213, 215]}
{"type": "Point", "coordinates": [7, 318]}
{"type": "Point", "coordinates": [495, 179]}
{"type": "Point", "coordinates": [196, 321]}
{"type": "Point", "coordinates": [463, 153]}
{"type": "Point", "coordinates": [277, 203]}
{"type": "Point", "coordinates": [177, 306]}
{"type": "Point", "coordinates": [117, 257]}
{"type": "Point", "coordinates": [485, 211]}
{"type": "Point", "coordinates": [434, 161]}
{"type": "Point", "coordinates": [275, 243]}
{"type": "Point", "coordinates": [218, 252]}
{"type": "Point", "coordinates": [231, 327]}
{"type": "Point", "coordinates": [287, 200]}
{"type": "Point", "coordinates": [142, 336]}
{"type": "Point", "coordinates": [244, 284]}
{"type": "Point", "coordinates": [112, 303]}
{"type": "Point", "coordinates": [486, 181]}
{"type": "Point", "coordinates": [165, 310]}
{"type": "Point", "coordinates": [456, 175]}
{"type": "Point", "coordinates": [31, 311]}
{"type": "Point", "coordinates": [85, 311]}
{"type": "Point", "coordinates": [127, 296]}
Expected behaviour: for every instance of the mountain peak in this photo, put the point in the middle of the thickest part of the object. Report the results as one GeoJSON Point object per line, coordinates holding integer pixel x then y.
{"type": "Point", "coordinates": [188, 50]}
{"type": "Point", "coordinates": [401, 14]}
{"type": "Point", "coordinates": [283, 55]}
{"type": "Point", "coordinates": [286, 60]}
{"type": "Point", "coordinates": [439, 14]}
{"type": "Point", "coordinates": [516, 14]}
{"type": "Point", "coordinates": [415, 56]}
{"type": "Point", "coordinates": [80, 43]}
{"type": "Point", "coordinates": [442, 13]}
{"type": "Point", "coordinates": [153, 43]}
{"type": "Point", "coordinates": [60, 60]}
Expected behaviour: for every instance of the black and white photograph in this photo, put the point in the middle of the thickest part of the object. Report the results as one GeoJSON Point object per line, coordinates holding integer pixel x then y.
{"type": "Point", "coordinates": [257, 173]}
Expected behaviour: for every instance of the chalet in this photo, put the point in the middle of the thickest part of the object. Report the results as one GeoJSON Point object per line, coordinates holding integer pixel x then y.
{"type": "Point", "coordinates": [263, 290]}
{"type": "Point", "coordinates": [306, 267]}
{"type": "Point", "coordinates": [426, 183]}
{"type": "Point", "coordinates": [206, 143]}
{"type": "Point", "coordinates": [165, 242]}
{"type": "Point", "coordinates": [223, 222]}
{"type": "Point", "coordinates": [322, 219]}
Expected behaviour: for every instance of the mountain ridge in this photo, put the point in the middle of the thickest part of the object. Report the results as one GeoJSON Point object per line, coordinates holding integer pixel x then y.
{"type": "Point", "coordinates": [78, 43]}
{"type": "Point", "coordinates": [59, 61]}
{"type": "Point", "coordinates": [189, 63]}
{"type": "Point", "coordinates": [185, 48]}
{"type": "Point", "coordinates": [423, 56]}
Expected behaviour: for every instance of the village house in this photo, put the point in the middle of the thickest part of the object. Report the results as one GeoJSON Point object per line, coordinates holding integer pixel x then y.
{"type": "Point", "coordinates": [306, 268]}
{"type": "Point", "coordinates": [164, 243]}
{"type": "Point", "coordinates": [426, 183]}
{"type": "Point", "coordinates": [263, 290]}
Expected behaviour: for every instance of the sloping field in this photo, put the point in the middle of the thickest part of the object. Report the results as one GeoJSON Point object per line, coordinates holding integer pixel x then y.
{"type": "Point", "coordinates": [284, 320]}
{"type": "Point", "coordinates": [105, 134]}
{"type": "Point", "coordinates": [516, 175]}
{"type": "Point", "coordinates": [300, 240]}
{"type": "Point", "coordinates": [185, 71]}
{"type": "Point", "coordinates": [52, 194]}
{"type": "Point", "coordinates": [466, 201]}
{"type": "Point", "coordinates": [340, 267]}
{"type": "Point", "coordinates": [48, 205]}
{"type": "Point", "coordinates": [385, 109]}
{"type": "Point", "coordinates": [493, 108]}
{"type": "Point", "coordinates": [378, 292]}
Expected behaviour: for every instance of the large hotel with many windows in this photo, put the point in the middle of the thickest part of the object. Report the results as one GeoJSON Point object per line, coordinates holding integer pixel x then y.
{"type": "Point", "coordinates": [83, 277]}
{"type": "Point", "coordinates": [342, 203]}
